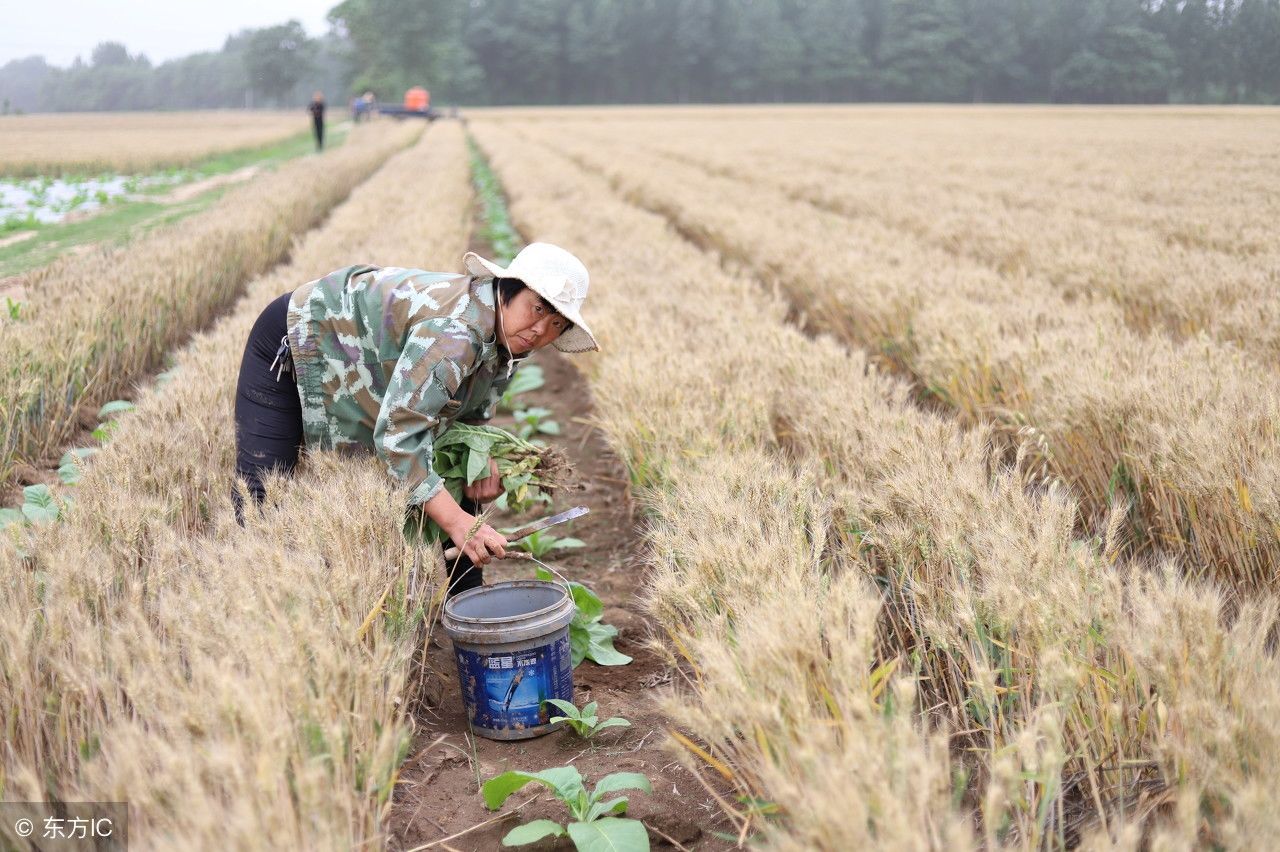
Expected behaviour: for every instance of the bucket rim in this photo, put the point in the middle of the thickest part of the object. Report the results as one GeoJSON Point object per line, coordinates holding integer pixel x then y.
{"type": "Point", "coordinates": [509, 584]}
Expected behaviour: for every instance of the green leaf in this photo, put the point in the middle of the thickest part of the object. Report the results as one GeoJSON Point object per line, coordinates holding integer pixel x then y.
{"type": "Point", "coordinates": [600, 648]}
{"type": "Point", "coordinates": [564, 781]}
{"type": "Point", "coordinates": [568, 543]}
{"type": "Point", "coordinates": [531, 832]}
{"type": "Point", "coordinates": [526, 379]}
{"type": "Point", "coordinates": [614, 722]}
{"type": "Point", "coordinates": [621, 781]}
{"type": "Point", "coordinates": [69, 466]}
{"type": "Point", "coordinates": [549, 427]}
{"type": "Point", "coordinates": [78, 454]}
{"type": "Point", "coordinates": [579, 643]}
{"type": "Point", "coordinates": [477, 466]}
{"type": "Point", "coordinates": [590, 708]}
{"type": "Point", "coordinates": [9, 517]}
{"type": "Point", "coordinates": [39, 495]}
{"type": "Point", "coordinates": [609, 835]}
{"type": "Point", "coordinates": [589, 605]}
{"type": "Point", "coordinates": [38, 504]}
{"type": "Point", "coordinates": [116, 406]}
{"type": "Point", "coordinates": [611, 807]}
{"type": "Point", "coordinates": [565, 707]}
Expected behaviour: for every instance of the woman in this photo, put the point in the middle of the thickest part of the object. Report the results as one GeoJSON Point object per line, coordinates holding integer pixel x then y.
{"type": "Point", "coordinates": [387, 359]}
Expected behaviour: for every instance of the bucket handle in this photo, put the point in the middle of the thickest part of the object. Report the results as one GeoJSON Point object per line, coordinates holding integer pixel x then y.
{"type": "Point", "coordinates": [564, 581]}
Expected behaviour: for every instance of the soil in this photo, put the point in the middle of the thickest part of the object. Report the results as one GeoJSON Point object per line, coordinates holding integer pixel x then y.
{"type": "Point", "coordinates": [437, 795]}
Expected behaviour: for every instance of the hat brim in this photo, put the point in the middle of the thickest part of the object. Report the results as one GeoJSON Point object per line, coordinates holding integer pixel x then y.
{"type": "Point", "coordinates": [577, 339]}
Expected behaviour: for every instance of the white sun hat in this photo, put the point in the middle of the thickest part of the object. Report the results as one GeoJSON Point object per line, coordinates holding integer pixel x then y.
{"type": "Point", "coordinates": [555, 275]}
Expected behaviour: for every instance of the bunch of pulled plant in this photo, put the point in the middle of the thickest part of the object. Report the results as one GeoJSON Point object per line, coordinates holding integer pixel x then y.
{"type": "Point", "coordinates": [531, 473]}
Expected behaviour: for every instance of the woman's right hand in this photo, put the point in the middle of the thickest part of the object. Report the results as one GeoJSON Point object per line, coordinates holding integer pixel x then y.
{"type": "Point", "coordinates": [485, 544]}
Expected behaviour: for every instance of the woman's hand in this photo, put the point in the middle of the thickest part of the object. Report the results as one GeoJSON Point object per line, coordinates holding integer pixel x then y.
{"type": "Point", "coordinates": [486, 543]}
{"type": "Point", "coordinates": [484, 490]}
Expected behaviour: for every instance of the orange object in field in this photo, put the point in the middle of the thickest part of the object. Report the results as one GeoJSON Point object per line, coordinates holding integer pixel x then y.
{"type": "Point", "coordinates": [417, 98]}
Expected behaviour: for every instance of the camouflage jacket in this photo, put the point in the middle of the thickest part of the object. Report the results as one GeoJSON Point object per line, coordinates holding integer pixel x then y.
{"type": "Point", "coordinates": [388, 358]}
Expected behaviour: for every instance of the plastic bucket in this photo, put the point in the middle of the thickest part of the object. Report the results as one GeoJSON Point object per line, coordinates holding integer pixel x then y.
{"type": "Point", "coordinates": [511, 643]}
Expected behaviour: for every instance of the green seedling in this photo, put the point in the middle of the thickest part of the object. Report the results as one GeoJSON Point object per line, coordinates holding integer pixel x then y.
{"type": "Point", "coordinates": [589, 637]}
{"type": "Point", "coordinates": [39, 505]}
{"type": "Point", "coordinates": [597, 824]}
{"type": "Point", "coordinates": [528, 378]}
{"type": "Point", "coordinates": [11, 517]}
{"type": "Point", "coordinates": [585, 722]}
{"type": "Point", "coordinates": [535, 421]}
{"type": "Point", "coordinates": [14, 308]}
{"type": "Point", "coordinates": [543, 542]}
{"type": "Point", "coordinates": [107, 415]}
{"type": "Point", "coordinates": [69, 466]}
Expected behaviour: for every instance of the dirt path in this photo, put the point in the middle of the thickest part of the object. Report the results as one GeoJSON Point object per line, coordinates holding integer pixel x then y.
{"type": "Point", "coordinates": [437, 795]}
{"type": "Point", "coordinates": [188, 191]}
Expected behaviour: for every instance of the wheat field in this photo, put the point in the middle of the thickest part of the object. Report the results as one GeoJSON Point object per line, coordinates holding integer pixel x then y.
{"type": "Point", "coordinates": [90, 143]}
{"type": "Point", "coordinates": [240, 688]}
{"type": "Point", "coordinates": [966, 542]}
{"type": "Point", "coordinates": [95, 321]}
{"type": "Point", "coordinates": [955, 433]}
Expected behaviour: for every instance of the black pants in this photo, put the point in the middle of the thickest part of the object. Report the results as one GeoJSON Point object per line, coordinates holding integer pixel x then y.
{"type": "Point", "coordinates": [318, 125]}
{"type": "Point", "coordinates": [269, 422]}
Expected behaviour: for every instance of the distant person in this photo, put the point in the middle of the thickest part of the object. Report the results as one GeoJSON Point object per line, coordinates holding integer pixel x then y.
{"type": "Point", "coordinates": [357, 109]}
{"type": "Point", "coordinates": [370, 105]}
{"type": "Point", "coordinates": [317, 118]}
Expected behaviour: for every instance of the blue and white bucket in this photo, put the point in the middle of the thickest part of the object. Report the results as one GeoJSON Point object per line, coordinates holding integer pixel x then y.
{"type": "Point", "coordinates": [511, 643]}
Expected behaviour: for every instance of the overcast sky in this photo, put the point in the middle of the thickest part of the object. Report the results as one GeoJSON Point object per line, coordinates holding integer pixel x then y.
{"type": "Point", "coordinates": [61, 30]}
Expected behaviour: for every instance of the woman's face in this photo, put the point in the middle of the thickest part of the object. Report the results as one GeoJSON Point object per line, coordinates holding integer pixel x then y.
{"type": "Point", "coordinates": [529, 322]}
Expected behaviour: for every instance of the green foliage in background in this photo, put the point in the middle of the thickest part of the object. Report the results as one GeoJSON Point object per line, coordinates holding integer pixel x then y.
{"type": "Point", "coordinates": [704, 51]}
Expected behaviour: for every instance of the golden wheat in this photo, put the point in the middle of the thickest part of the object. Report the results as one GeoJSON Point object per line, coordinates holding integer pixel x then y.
{"type": "Point", "coordinates": [94, 322]}
{"type": "Point", "coordinates": [1182, 429]}
{"type": "Point", "coordinates": [856, 583]}
{"type": "Point", "coordinates": [246, 688]}
{"type": "Point", "coordinates": [132, 142]}
{"type": "Point", "coordinates": [1171, 214]}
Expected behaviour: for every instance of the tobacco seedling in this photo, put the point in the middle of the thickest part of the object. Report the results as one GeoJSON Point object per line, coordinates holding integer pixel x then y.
{"type": "Point", "coordinates": [39, 505]}
{"type": "Point", "coordinates": [14, 307]}
{"type": "Point", "coordinates": [589, 637]}
{"type": "Point", "coordinates": [10, 517]}
{"type": "Point", "coordinates": [69, 465]}
{"type": "Point", "coordinates": [526, 379]}
{"type": "Point", "coordinates": [534, 421]}
{"type": "Point", "coordinates": [542, 542]}
{"type": "Point", "coordinates": [585, 722]}
{"type": "Point", "coordinates": [596, 824]}
{"type": "Point", "coordinates": [107, 415]}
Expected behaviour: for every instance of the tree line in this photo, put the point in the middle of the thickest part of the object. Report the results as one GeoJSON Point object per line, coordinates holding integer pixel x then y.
{"type": "Point", "coordinates": [707, 51]}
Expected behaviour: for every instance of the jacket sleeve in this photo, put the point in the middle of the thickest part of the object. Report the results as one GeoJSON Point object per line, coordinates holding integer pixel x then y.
{"type": "Point", "coordinates": [438, 354]}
